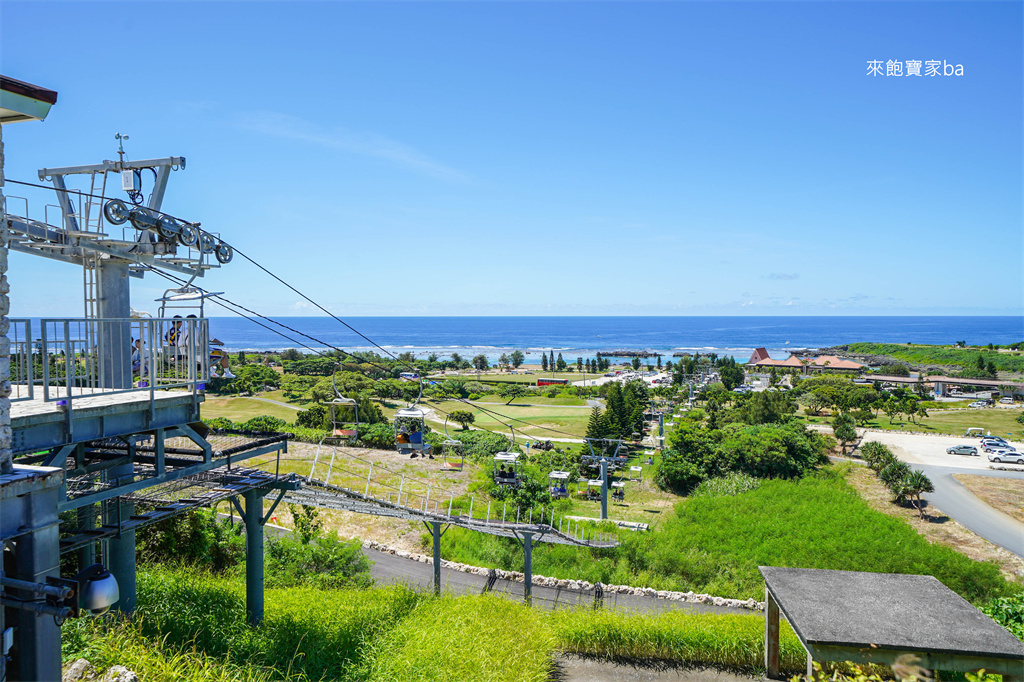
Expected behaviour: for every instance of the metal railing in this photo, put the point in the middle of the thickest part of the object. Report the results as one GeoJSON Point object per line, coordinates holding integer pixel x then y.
{"type": "Point", "coordinates": [68, 359]}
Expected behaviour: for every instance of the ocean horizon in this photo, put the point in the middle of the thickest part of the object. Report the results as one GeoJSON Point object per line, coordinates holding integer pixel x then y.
{"type": "Point", "coordinates": [585, 336]}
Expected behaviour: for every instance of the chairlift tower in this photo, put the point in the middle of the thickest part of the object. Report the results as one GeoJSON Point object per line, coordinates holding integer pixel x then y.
{"type": "Point", "coordinates": [77, 434]}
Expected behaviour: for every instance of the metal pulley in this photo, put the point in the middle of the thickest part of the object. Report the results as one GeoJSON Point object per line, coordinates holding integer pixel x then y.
{"type": "Point", "coordinates": [207, 243]}
{"type": "Point", "coordinates": [116, 212]}
{"type": "Point", "coordinates": [224, 253]}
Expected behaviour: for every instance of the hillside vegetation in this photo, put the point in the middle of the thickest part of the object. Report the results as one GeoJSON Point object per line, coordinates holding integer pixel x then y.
{"type": "Point", "coordinates": [191, 626]}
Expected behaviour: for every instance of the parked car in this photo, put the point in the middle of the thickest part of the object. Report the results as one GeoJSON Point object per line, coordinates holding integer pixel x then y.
{"type": "Point", "coordinates": [962, 450]}
{"type": "Point", "coordinates": [1006, 400]}
{"type": "Point", "coordinates": [1006, 456]}
{"type": "Point", "coordinates": [978, 403]}
{"type": "Point", "coordinates": [996, 447]}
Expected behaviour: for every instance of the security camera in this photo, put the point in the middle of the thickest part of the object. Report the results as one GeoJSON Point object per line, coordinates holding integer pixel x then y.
{"type": "Point", "coordinates": [97, 590]}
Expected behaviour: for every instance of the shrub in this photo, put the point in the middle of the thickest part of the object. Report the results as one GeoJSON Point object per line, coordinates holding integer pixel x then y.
{"type": "Point", "coordinates": [197, 538]}
{"type": "Point", "coordinates": [323, 562]}
{"type": "Point", "coordinates": [265, 424]}
{"type": "Point", "coordinates": [1008, 612]}
{"type": "Point", "coordinates": [316, 417]}
{"type": "Point", "coordinates": [380, 435]}
{"type": "Point", "coordinates": [733, 484]}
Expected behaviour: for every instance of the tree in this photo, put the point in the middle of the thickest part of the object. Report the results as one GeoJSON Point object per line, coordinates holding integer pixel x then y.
{"type": "Point", "coordinates": [659, 362]}
{"type": "Point", "coordinates": [560, 364]}
{"type": "Point", "coordinates": [480, 362]}
{"type": "Point", "coordinates": [597, 425]}
{"type": "Point", "coordinates": [543, 362]}
{"type": "Point", "coordinates": [915, 484]}
{"type": "Point", "coordinates": [463, 417]}
{"type": "Point", "coordinates": [981, 363]}
{"type": "Point", "coordinates": [843, 427]}
{"type": "Point", "coordinates": [636, 362]}
{"type": "Point", "coordinates": [432, 358]}
{"type": "Point", "coordinates": [512, 391]}
{"type": "Point", "coordinates": [579, 364]}
{"type": "Point", "coordinates": [456, 360]}
{"type": "Point", "coordinates": [1020, 418]}
{"type": "Point", "coordinates": [291, 355]}
{"type": "Point", "coordinates": [503, 361]}
{"type": "Point", "coordinates": [517, 358]}
{"type": "Point", "coordinates": [551, 360]}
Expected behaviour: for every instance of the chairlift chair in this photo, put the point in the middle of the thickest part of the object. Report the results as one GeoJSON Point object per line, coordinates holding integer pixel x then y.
{"type": "Point", "coordinates": [341, 405]}
{"type": "Point", "coordinates": [452, 457]}
{"type": "Point", "coordinates": [594, 489]}
{"type": "Point", "coordinates": [558, 480]}
{"type": "Point", "coordinates": [618, 490]}
{"type": "Point", "coordinates": [507, 469]}
{"type": "Point", "coordinates": [409, 431]}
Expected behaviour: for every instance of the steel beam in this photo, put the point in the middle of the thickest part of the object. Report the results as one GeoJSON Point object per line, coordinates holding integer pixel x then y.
{"type": "Point", "coordinates": [254, 555]}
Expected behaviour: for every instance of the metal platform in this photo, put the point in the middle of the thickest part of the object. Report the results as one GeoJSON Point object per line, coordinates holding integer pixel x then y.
{"type": "Point", "coordinates": [180, 496]}
{"type": "Point", "coordinates": [39, 424]}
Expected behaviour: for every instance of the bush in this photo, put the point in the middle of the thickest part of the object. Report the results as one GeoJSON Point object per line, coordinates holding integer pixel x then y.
{"type": "Point", "coordinates": [265, 424]}
{"type": "Point", "coordinates": [324, 562]}
{"type": "Point", "coordinates": [380, 436]}
{"type": "Point", "coordinates": [316, 417]}
{"type": "Point", "coordinates": [197, 538]}
{"type": "Point", "coordinates": [1008, 612]}
{"type": "Point", "coordinates": [733, 484]}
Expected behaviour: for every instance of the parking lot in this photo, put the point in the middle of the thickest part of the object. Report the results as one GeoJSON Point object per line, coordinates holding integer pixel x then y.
{"type": "Point", "coordinates": [927, 449]}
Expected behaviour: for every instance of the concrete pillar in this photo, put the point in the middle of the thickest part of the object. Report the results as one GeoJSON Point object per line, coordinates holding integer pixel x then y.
{"type": "Point", "coordinates": [254, 555]}
{"type": "Point", "coordinates": [37, 555]}
{"type": "Point", "coordinates": [435, 529]}
{"type": "Point", "coordinates": [121, 551]}
{"type": "Point", "coordinates": [604, 489]}
{"type": "Point", "coordinates": [6, 465]}
{"type": "Point", "coordinates": [528, 568]}
{"type": "Point", "coordinates": [115, 339]}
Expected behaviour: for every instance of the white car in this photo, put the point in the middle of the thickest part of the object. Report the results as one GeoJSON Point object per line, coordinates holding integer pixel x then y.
{"type": "Point", "coordinates": [1008, 456]}
{"type": "Point", "coordinates": [978, 403]}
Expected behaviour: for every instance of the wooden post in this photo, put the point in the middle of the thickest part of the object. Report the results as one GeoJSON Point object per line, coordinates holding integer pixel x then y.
{"type": "Point", "coordinates": [771, 634]}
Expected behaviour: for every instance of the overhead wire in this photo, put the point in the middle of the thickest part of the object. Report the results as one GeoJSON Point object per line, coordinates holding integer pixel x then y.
{"type": "Point", "coordinates": [227, 303]}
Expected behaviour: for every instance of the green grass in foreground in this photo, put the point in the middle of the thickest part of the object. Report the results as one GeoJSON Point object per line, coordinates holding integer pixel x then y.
{"type": "Point", "coordinates": [715, 544]}
{"type": "Point", "coordinates": [192, 627]}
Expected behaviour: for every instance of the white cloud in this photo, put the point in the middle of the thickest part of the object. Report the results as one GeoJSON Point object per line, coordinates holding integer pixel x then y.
{"type": "Point", "coordinates": [365, 144]}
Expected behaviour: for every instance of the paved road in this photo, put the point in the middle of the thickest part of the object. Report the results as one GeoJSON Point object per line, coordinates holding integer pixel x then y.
{"type": "Point", "coordinates": [389, 568]}
{"type": "Point", "coordinates": [970, 511]}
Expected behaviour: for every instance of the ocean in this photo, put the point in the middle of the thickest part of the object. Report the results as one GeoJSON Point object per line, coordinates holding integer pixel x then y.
{"type": "Point", "coordinates": [585, 336]}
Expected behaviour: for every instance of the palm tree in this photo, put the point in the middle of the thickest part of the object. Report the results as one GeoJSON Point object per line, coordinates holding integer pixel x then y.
{"type": "Point", "coordinates": [916, 484]}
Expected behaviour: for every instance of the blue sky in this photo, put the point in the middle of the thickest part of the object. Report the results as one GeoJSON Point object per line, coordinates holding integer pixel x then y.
{"type": "Point", "coordinates": [548, 157]}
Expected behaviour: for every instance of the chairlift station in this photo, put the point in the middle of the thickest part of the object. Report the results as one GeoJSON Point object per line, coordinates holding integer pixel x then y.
{"type": "Point", "coordinates": [100, 437]}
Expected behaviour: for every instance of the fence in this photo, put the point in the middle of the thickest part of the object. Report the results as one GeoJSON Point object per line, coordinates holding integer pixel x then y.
{"type": "Point", "coordinates": [64, 359]}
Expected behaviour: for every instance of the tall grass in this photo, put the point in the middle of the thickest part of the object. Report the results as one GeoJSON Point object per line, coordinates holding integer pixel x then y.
{"type": "Point", "coordinates": [192, 627]}
{"type": "Point", "coordinates": [715, 544]}
{"type": "Point", "coordinates": [483, 638]}
{"type": "Point", "coordinates": [731, 641]}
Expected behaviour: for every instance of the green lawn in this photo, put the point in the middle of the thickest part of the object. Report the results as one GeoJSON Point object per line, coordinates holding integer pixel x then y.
{"type": "Point", "coordinates": [531, 379]}
{"type": "Point", "coordinates": [243, 409]}
{"type": "Point", "coordinates": [998, 421]}
{"type": "Point", "coordinates": [534, 400]}
{"type": "Point", "coordinates": [554, 421]}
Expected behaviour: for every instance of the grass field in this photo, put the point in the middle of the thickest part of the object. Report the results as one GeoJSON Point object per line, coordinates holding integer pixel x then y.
{"type": "Point", "coordinates": [192, 627]}
{"type": "Point", "coordinates": [554, 421]}
{"type": "Point", "coordinates": [531, 379]}
{"type": "Point", "coordinates": [715, 544]}
{"type": "Point", "coordinates": [498, 401]}
{"type": "Point", "coordinates": [243, 409]}
{"type": "Point", "coordinates": [998, 421]}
